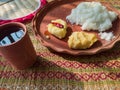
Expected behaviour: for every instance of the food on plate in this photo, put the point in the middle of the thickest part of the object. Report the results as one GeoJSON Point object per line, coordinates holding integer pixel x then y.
{"type": "Point", "coordinates": [92, 16]}
{"type": "Point", "coordinates": [107, 35]}
{"type": "Point", "coordinates": [58, 28]}
{"type": "Point", "coordinates": [81, 40]}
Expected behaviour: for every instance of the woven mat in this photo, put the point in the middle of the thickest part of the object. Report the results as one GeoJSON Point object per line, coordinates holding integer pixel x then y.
{"type": "Point", "coordinates": [55, 71]}
{"type": "Point", "coordinates": [17, 8]}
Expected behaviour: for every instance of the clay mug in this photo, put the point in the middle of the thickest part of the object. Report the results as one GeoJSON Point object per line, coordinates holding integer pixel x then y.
{"type": "Point", "coordinates": [20, 54]}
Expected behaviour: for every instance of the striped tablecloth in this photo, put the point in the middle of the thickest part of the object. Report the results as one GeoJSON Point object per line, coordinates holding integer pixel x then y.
{"type": "Point", "coordinates": [54, 71]}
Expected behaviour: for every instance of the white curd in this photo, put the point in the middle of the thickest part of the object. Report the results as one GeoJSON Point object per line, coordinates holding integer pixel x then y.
{"type": "Point", "coordinates": [106, 35]}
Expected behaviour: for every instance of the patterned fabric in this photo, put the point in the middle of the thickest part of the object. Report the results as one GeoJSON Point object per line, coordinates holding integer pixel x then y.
{"type": "Point", "coordinates": [56, 71]}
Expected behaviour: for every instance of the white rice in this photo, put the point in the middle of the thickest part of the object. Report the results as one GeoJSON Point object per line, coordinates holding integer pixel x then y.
{"type": "Point", "coordinates": [92, 16]}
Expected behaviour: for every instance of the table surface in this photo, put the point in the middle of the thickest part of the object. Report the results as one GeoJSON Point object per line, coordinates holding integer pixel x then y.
{"type": "Point", "coordinates": [55, 71]}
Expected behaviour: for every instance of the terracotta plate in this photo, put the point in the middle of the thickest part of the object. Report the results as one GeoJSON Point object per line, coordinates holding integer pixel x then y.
{"type": "Point", "coordinates": [59, 10]}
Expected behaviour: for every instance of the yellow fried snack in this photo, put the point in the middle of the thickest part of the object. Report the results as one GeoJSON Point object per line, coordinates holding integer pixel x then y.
{"type": "Point", "coordinates": [81, 40]}
{"type": "Point", "coordinates": [58, 28]}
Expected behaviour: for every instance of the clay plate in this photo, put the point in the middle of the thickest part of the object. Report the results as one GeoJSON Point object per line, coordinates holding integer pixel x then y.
{"type": "Point", "coordinates": [59, 9]}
